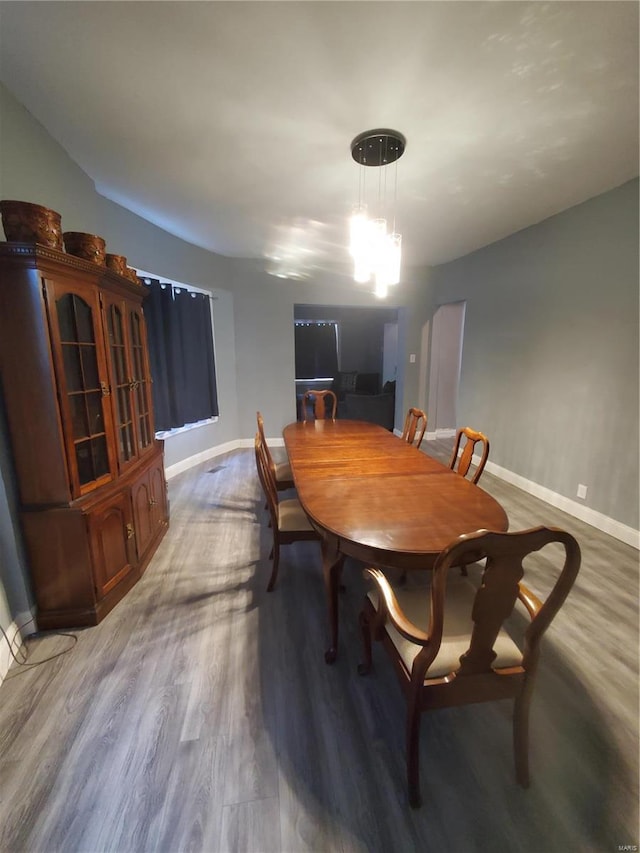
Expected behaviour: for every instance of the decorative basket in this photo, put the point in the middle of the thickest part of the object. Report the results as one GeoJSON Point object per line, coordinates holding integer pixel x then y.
{"type": "Point", "coordinates": [87, 246]}
{"type": "Point", "coordinates": [117, 263]}
{"type": "Point", "coordinates": [132, 275]}
{"type": "Point", "coordinates": [24, 222]}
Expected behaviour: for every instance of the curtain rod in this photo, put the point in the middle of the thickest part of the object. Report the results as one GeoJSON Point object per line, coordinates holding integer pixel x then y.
{"type": "Point", "coordinates": [175, 286]}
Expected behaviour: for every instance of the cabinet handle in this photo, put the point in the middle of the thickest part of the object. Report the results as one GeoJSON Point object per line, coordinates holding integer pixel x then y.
{"type": "Point", "coordinates": [133, 384]}
{"type": "Point", "coordinates": [106, 391]}
{"type": "Point", "coordinates": [152, 503]}
{"type": "Point", "coordinates": [130, 531]}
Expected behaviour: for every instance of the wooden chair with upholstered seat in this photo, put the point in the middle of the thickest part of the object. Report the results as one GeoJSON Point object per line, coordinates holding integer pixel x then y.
{"type": "Point", "coordinates": [281, 470]}
{"type": "Point", "coordinates": [447, 641]}
{"type": "Point", "coordinates": [289, 522]}
{"type": "Point", "coordinates": [319, 400]}
{"type": "Point", "coordinates": [415, 425]}
{"type": "Point", "coordinates": [463, 463]}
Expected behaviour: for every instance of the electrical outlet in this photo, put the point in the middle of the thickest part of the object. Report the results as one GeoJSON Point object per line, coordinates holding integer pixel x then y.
{"type": "Point", "coordinates": [582, 491]}
{"type": "Point", "coordinates": [412, 358]}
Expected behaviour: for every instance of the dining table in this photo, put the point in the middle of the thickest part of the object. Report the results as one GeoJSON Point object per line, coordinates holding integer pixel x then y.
{"type": "Point", "coordinates": [374, 497]}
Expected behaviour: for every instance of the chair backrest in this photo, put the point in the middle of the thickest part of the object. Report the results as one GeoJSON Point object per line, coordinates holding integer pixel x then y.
{"type": "Point", "coordinates": [495, 599]}
{"type": "Point", "coordinates": [266, 477]}
{"type": "Point", "coordinates": [265, 446]}
{"type": "Point", "coordinates": [318, 399]}
{"type": "Point", "coordinates": [415, 425]}
{"type": "Point", "coordinates": [472, 438]}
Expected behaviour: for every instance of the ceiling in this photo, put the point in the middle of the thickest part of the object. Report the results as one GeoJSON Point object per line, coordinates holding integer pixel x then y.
{"type": "Point", "coordinates": [229, 123]}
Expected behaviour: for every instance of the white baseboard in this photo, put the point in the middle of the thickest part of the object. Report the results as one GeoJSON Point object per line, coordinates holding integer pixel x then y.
{"type": "Point", "coordinates": [28, 623]}
{"type": "Point", "coordinates": [440, 433]}
{"type": "Point", "coordinates": [272, 442]}
{"type": "Point", "coordinates": [210, 453]}
{"type": "Point", "coordinates": [591, 516]}
{"type": "Point", "coordinates": [596, 519]}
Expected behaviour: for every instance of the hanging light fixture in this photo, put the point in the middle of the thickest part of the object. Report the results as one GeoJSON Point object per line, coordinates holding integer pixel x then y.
{"type": "Point", "coordinates": [375, 248]}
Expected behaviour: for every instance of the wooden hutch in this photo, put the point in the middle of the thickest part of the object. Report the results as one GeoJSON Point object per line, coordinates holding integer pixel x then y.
{"type": "Point", "coordinates": [77, 395]}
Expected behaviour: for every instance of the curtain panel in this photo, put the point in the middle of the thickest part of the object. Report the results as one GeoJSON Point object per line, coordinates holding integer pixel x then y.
{"type": "Point", "coordinates": [181, 355]}
{"type": "Point", "coordinates": [316, 347]}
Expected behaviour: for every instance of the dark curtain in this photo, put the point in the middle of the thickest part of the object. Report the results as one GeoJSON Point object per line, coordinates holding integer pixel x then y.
{"type": "Point", "coordinates": [181, 356]}
{"type": "Point", "coordinates": [316, 350]}
{"type": "Point", "coordinates": [157, 310]}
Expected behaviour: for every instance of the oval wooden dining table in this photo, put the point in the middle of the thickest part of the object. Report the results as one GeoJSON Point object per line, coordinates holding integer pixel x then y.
{"type": "Point", "coordinates": [376, 498]}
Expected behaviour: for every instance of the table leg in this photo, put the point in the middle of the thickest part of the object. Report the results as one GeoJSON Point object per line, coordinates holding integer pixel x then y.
{"type": "Point", "coordinates": [332, 561]}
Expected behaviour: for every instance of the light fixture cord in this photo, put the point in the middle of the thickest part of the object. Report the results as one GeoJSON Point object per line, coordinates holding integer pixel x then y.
{"type": "Point", "coordinates": [395, 197]}
{"type": "Point", "coordinates": [386, 162]}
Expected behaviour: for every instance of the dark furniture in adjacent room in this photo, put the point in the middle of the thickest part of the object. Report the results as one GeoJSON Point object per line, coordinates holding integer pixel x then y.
{"type": "Point", "coordinates": [373, 408]}
{"type": "Point", "coordinates": [360, 398]}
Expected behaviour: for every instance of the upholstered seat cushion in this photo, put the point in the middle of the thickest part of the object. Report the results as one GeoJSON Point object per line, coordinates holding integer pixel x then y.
{"type": "Point", "coordinates": [283, 472]}
{"type": "Point", "coordinates": [291, 516]}
{"type": "Point", "coordinates": [460, 595]}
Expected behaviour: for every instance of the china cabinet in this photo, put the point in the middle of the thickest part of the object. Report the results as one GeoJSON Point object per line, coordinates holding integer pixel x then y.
{"type": "Point", "coordinates": [76, 391]}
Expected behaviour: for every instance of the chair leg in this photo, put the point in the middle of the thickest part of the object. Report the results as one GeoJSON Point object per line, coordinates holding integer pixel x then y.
{"type": "Point", "coordinates": [521, 732]}
{"type": "Point", "coordinates": [364, 668]}
{"type": "Point", "coordinates": [275, 553]}
{"type": "Point", "coordinates": [413, 752]}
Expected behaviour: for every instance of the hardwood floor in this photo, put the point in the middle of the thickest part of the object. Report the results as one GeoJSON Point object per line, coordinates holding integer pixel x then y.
{"type": "Point", "coordinates": [200, 715]}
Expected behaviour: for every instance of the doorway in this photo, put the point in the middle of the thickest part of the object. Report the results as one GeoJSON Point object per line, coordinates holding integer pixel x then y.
{"type": "Point", "coordinates": [389, 353]}
{"type": "Point", "coordinates": [447, 331]}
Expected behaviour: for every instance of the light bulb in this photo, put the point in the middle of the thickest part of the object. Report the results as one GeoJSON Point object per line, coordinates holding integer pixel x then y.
{"type": "Point", "coordinates": [390, 258]}
{"type": "Point", "coordinates": [358, 228]}
{"type": "Point", "coordinates": [361, 269]}
{"type": "Point", "coordinates": [381, 290]}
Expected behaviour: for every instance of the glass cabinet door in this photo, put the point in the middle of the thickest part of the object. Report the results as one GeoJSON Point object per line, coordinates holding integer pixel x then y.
{"type": "Point", "coordinates": [83, 393]}
{"type": "Point", "coordinates": [121, 383]}
{"type": "Point", "coordinates": [140, 376]}
{"type": "Point", "coordinates": [129, 378]}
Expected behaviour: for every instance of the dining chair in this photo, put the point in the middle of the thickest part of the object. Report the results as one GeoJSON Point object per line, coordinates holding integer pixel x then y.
{"type": "Point", "coordinates": [415, 425]}
{"type": "Point", "coordinates": [462, 463]}
{"type": "Point", "coordinates": [289, 522]}
{"type": "Point", "coordinates": [318, 399]}
{"type": "Point", "coordinates": [447, 641]}
{"type": "Point", "coordinates": [281, 470]}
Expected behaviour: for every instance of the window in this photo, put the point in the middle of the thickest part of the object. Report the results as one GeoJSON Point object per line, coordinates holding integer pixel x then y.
{"type": "Point", "coordinates": [316, 344]}
{"type": "Point", "coordinates": [181, 354]}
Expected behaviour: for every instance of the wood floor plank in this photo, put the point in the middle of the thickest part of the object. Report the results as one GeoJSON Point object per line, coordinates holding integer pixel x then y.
{"type": "Point", "coordinates": [191, 815]}
{"type": "Point", "coordinates": [251, 827]}
{"type": "Point", "coordinates": [200, 715]}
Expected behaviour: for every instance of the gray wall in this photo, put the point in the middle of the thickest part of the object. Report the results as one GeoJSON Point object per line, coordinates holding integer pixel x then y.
{"type": "Point", "coordinates": [550, 358]}
{"type": "Point", "coordinates": [253, 313]}
{"type": "Point", "coordinates": [550, 353]}
{"type": "Point", "coordinates": [265, 364]}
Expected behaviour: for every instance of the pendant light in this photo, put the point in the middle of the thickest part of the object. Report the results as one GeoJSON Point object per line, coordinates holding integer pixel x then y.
{"type": "Point", "coordinates": [375, 247]}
